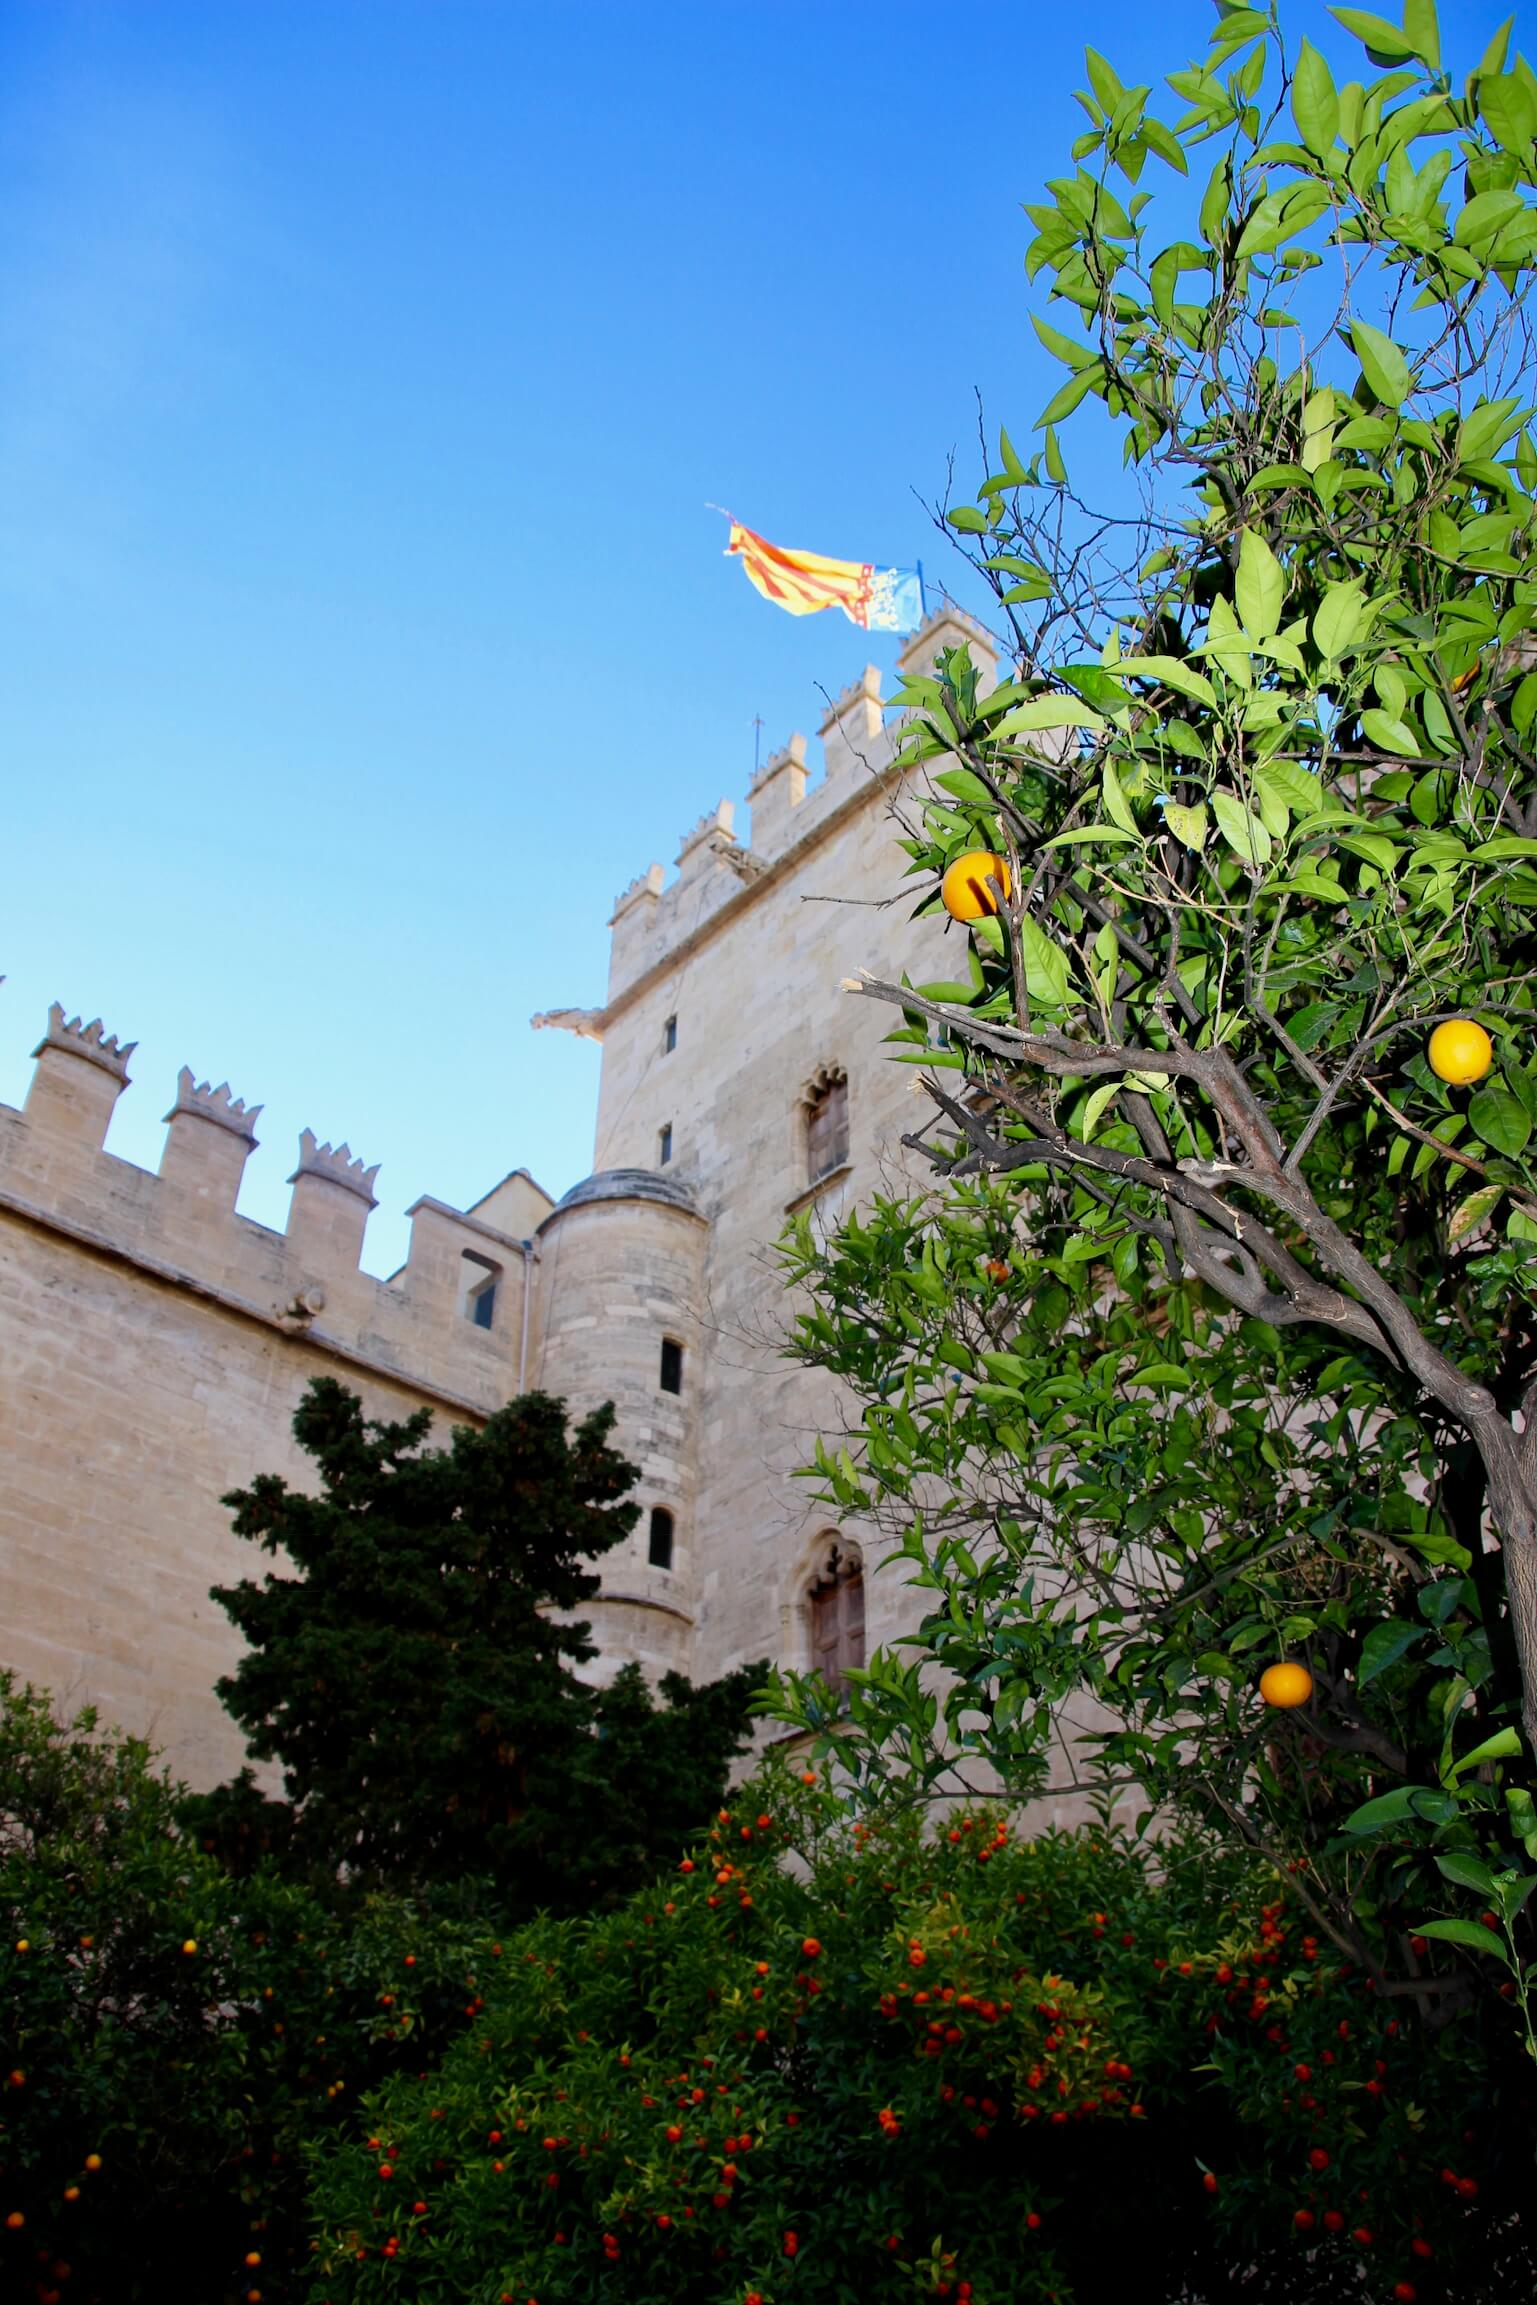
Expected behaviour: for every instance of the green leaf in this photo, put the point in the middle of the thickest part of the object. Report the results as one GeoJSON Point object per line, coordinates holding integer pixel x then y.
{"type": "Point", "coordinates": [1080, 835]}
{"type": "Point", "coordinates": [1470, 1213]}
{"type": "Point", "coordinates": [1468, 1872]}
{"type": "Point", "coordinates": [965, 786]}
{"type": "Point", "coordinates": [1261, 587]}
{"type": "Point", "coordinates": [1462, 1933]}
{"type": "Point", "coordinates": [1077, 356]}
{"type": "Point", "coordinates": [1338, 620]}
{"type": "Point", "coordinates": [1315, 104]}
{"type": "Point", "coordinates": [1386, 370]}
{"type": "Point", "coordinates": [1094, 1106]}
{"type": "Point", "coordinates": [1188, 825]}
{"type": "Point", "coordinates": [1383, 1646]}
{"type": "Point", "coordinates": [1507, 105]}
{"type": "Point", "coordinates": [1174, 673]}
{"type": "Point", "coordinates": [1504, 1745]}
{"type": "Point", "coordinates": [1421, 27]}
{"type": "Point", "coordinates": [1161, 1373]}
{"type": "Point", "coordinates": [1502, 1123]}
{"type": "Point", "coordinates": [1384, 42]}
{"type": "Point", "coordinates": [1393, 1808]}
{"type": "Point", "coordinates": [1244, 833]}
{"type": "Point", "coordinates": [1053, 711]}
{"type": "Point", "coordinates": [1390, 735]}
{"type": "Point", "coordinates": [1117, 806]}
{"type": "Point", "coordinates": [1046, 977]}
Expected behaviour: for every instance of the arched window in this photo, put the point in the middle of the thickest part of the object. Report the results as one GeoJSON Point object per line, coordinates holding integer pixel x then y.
{"type": "Point", "coordinates": [836, 1600]}
{"type": "Point", "coordinates": [827, 1125]}
{"type": "Point", "coordinates": [659, 1543]}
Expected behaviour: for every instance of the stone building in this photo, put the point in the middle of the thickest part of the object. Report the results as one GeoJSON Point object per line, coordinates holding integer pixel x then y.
{"type": "Point", "coordinates": [154, 1344]}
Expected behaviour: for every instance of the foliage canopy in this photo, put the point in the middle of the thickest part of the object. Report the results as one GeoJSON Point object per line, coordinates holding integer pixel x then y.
{"type": "Point", "coordinates": [413, 1666]}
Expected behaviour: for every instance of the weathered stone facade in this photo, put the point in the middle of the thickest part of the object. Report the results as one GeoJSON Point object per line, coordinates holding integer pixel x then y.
{"type": "Point", "coordinates": [153, 1343]}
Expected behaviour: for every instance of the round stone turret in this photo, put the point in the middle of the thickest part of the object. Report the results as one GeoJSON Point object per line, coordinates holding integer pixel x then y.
{"type": "Point", "coordinates": [622, 1285]}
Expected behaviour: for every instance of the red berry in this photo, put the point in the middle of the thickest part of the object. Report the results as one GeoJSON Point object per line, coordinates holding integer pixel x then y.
{"type": "Point", "coordinates": [1210, 2182]}
{"type": "Point", "coordinates": [1304, 2220]}
{"type": "Point", "coordinates": [1318, 2158]}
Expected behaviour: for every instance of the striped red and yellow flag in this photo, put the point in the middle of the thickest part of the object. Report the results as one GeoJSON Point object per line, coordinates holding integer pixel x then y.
{"type": "Point", "coordinates": [802, 582]}
{"type": "Point", "coordinates": [876, 599]}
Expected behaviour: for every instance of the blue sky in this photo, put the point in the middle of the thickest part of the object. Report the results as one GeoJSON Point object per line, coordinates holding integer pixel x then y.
{"type": "Point", "coordinates": [364, 373]}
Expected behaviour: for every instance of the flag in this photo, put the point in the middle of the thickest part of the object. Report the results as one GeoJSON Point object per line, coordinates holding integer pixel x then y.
{"type": "Point", "coordinates": [876, 599]}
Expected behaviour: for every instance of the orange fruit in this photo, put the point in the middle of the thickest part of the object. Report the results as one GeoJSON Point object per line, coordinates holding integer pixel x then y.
{"type": "Point", "coordinates": [964, 891]}
{"type": "Point", "coordinates": [1460, 1051]}
{"type": "Point", "coordinates": [1285, 1685]}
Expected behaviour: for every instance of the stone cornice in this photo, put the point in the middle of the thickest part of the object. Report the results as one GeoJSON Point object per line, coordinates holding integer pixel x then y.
{"type": "Point", "coordinates": [239, 1308]}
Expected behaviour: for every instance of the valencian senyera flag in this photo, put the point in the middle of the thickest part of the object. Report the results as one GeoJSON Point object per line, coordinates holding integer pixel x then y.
{"type": "Point", "coordinates": [876, 599]}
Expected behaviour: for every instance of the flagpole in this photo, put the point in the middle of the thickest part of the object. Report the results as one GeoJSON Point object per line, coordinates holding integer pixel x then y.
{"type": "Point", "coordinates": [923, 598]}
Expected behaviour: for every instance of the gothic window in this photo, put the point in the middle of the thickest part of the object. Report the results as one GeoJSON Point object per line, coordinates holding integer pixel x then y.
{"type": "Point", "coordinates": [671, 1377]}
{"type": "Point", "coordinates": [659, 1541]}
{"type": "Point", "coordinates": [837, 1604]}
{"type": "Point", "coordinates": [664, 1146]}
{"type": "Point", "coordinates": [480, 1278]}
{"type": "Point", "coordinates": [827, 1126]}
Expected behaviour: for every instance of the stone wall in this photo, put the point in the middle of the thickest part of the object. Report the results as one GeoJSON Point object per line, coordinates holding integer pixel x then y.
{"type": "Point", "coordinates": [153, 1347]}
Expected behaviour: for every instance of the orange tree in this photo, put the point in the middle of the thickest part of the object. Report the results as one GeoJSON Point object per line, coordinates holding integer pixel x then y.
{"type": "Point", "coordinates": [171, 2040]}
{"type": "Point", "coordinates": [1234, 1087]}
{"type": "Point", "coordinates": [926, 2065]}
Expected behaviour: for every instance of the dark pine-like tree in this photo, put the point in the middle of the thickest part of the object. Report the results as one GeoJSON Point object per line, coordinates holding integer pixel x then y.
{"type": "Point", "coordinates": [412, 1666]}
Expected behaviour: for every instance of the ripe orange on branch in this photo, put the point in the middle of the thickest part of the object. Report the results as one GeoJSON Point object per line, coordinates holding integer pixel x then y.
{"type": "Point", "coordinates": [1460, 1051]}
{"type": "Point", "coordinates": [964, 892]}
{"type": "Point", "coordinates": [1285, 1685]}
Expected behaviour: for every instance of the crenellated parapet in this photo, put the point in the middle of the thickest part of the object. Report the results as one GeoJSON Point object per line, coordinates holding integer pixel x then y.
{"type": "Point", "coordinates": [451, 1321]}
{"type": "Point", "coordinates": [656, 919]}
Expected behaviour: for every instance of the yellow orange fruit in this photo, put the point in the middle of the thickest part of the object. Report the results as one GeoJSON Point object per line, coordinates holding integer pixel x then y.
{"type": "Point", "coordinates": [190, 1946]}
{"type": "Point", "coordinates": [1460, 1051]}
{"type": "Point", "coordinates": [1285, 1685]}
{"type": "Point", "coordinates": [964, 891]}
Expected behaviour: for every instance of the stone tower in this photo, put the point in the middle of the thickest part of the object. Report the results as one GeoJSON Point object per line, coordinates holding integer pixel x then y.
{"type": "Point", "coordinates": [739, 1085]}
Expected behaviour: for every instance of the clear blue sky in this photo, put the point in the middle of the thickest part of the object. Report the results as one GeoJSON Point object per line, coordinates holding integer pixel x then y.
{"type": "Point", "coordinates": [364, 372]}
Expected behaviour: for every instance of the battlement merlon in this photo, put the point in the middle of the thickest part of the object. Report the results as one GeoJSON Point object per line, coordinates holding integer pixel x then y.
{"type": "Point", "coordinates": [332, 1197]}
{"type": "Point", "coordinates": [774, 795]}
{"type": "Point", "coordinates": [81, 1072]}
{"type": "Point", "coordinates": [633, 926]}
{"type": "Point", "coordinates": [210, 1135]}
{"type": "Point", "coordinates": [852, 723]}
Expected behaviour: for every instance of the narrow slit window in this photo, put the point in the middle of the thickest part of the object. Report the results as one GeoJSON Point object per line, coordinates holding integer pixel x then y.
{"type": "Point", "coordinates": [669, 1036]}
{"type": "Point", "coordinates": [659, 1539]}
{"type": "Point", "coordinates": [671, 1378]}
{"type": "Point", "coordinates": [664, 1146]}
{"type": "Point", "coordinates": [478, 1291]}
{"type": "Point", "coordinates": [827, 1129]}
